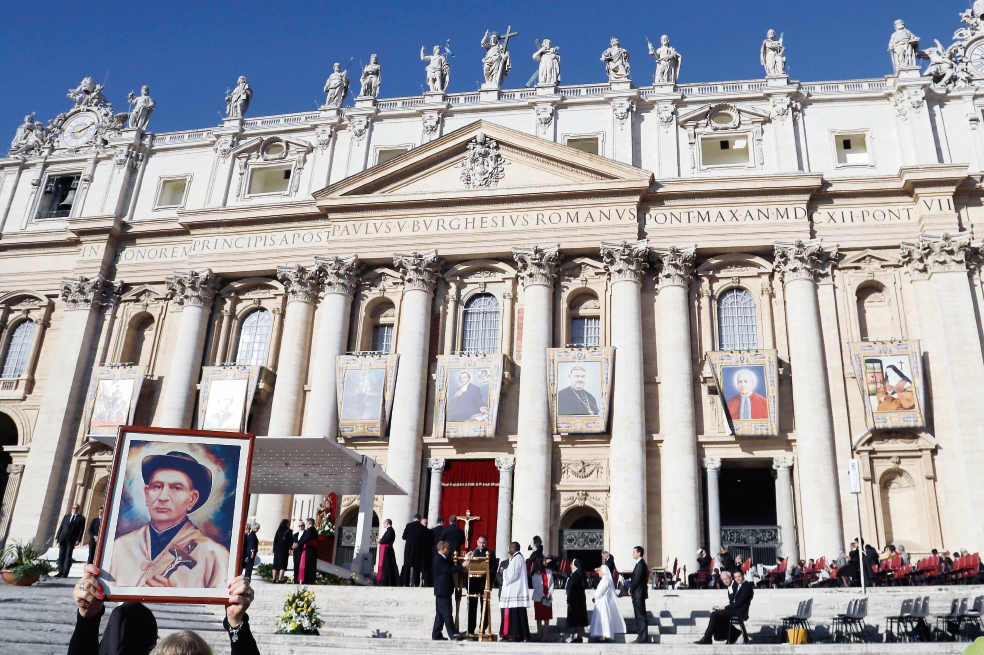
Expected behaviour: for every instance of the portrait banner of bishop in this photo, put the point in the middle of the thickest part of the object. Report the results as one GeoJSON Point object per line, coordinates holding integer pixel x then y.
{"type": "Point", "coordinates": [748, 384]}
{"type": "Point", "coordinates": [175, 511]}
{"type": "Point", "coordinates": [112, 398]}
{"type": "Point", "coordinates": [579, 380]}
{"type": "Point", "coordinates": [365, 385]}
{"type": "Point", "coordinates": [467, 393]}
{"type": "Point", "coordinates": [890, 377]}
{"type": "Point", "coordinates": [226, 396]}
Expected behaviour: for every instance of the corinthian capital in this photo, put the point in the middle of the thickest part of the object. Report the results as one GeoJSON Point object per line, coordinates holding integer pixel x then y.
{"type": "Point", "coordinates": [83, 292]}
{"type": "Point", "coordinates": [625, 260]}
{"type": "Point", "coordinates": [782, 462]}
{"type": "Point", "coordinates": [675, 265]}
{"type": "Point", "coordinates": [418, 270]}
{"type": "Point", "coordinates": [195, 288]}
{"type": "Point", "coordinates": [436, 464]}
{"type": "Point", "coordinates": [300, 282]}
{"type": "Point", "coordinates": [712, 463]}
{"type": "Point", "coordinates": [340, 274]}
{"type": "Point", "coordinates": [932, 254]}
{"type": "Point", "coordinates": [537, 265]}
{"type": "Point", "coordinates": [505, 463]}
{"type": "Point", "coordinates": [803, 260]}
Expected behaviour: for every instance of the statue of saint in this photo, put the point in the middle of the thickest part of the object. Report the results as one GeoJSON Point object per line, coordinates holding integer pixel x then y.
{"type": "Point", "coordinates": [337, 87]}
{"type": "Point", "coordinates": [549, 59]}
{"type": "Point", "coordinates": [903, 45]}
{"type": "Point", "coordinates": [238, 101]}
{"type": "Point", "coordinates": [370, 78]}
{"type": "Point", "coordinates": [616, 60]}
{"type": "Point", "coordinates": [772, 55]}
{"type": "Point", "coordinates": [668, 61]}
{"type": "Point", "coordinates": [497, 62]}
{"type": "Point", "coordinates": [24, 131]}
{"type": "Point", "coordinates": [438, 71]}
{"type": "Point", "coordinates": [143, 107]}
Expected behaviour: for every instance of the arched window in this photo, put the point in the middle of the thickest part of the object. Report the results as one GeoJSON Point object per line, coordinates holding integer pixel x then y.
{"type": "Point", "coordinates": [737, 329]}
{"type": "Point", "coordinates": [874, 313]}
{"type": "Point", "coordinates": [254, 336]}
{"type": "Point", "coordinates": [481, 334]}
{"type": "Point", "coordinates": [585, 313]}
{"type": "Point", "coordinates": [383, 317]}
{"type": "Point", "coordinates": [15, 361]}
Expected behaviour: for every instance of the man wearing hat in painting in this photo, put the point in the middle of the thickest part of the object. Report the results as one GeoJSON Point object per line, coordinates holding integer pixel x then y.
{"type": "Point", "coordinates": [170, 551]}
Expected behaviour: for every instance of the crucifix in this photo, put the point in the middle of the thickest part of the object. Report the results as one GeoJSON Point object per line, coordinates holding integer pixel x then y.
{"type": "Point", "coordinates": [505, 37]}
{"type": "Point", "coordinates": [468, 519]}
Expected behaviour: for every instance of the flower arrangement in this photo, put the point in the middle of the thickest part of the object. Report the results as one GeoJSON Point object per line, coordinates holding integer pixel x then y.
{"type": "Point", "coordinates": [325, 527]}
{"type": "Point", "coordinates": [300, 614]}
{"type": "Point", "coordinates": [25, 562]}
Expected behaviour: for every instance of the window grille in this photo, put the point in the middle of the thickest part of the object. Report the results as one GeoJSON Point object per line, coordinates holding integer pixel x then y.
{"type": "Point", "coordinates": [382, 338]}
{"type": "Point", "coordinates": [586, 331]}
{"type": "Point", "coordinates": [737, 328]}
{"type": "Point", "coordinates": [481, 333]}
{"type": "Point", "coordinates": [15, 362]}
{"type": "Point", "coordinates": [254, 338]}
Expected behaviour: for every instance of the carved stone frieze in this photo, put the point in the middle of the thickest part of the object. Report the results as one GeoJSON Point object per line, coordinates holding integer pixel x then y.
{"type": "Point", "coordinates": [593, 499]}
{"type": "Point", "coordinates": [622, 109]}
{"type": "Point", "coordinates": [803, 260]}
{"type": "Point", "coordinates": [431, 121]}
{"type": "Point", "coordinates": [537, 265]}
{"type": "Point", "coordinates": [931, 254]}
{"type": "Point", "coordinates": [666, 115]}
{"type": "Point", "coordinates": [323, 136]}
{"type": "Point", "coordinates": [300, 282]}
{"type": "Point", "coordinates": [580, 470]}
{"type": "Point", "coordinates": [418, 270]}
{"type": "Point", "coordinates": [626, 260]}
{"type": "Point", "coordinates": [196, 288]}
{"type": "Point", "coordinates": [83, 292]}
{"type": "Point", "coordinates": [675, 265]}
{"type": "Point", "coordinates": [483, 165]}
{"type": "Point", "coordinates": [906, 100]}
{"type": "Point", "coordinates": [544, 117]}
{"type": "Point", "coordinates": [340, 274]}
{"type": "Point", "coordinates": [224, 145]}
{"type": "Point", "coordinates": [359, 126]}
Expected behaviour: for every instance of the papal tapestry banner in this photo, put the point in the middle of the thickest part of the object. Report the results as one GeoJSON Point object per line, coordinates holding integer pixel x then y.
{"type": "Point", "coordinates": [580, 380]}
{"type": "Point", "coordinates": [112, 398]}
{"type": "Point", "coordinates": [467, 395]}
{"type": "Point", "coordinates": [890, 376]}
{"type": "Point", "coordinates": [226, 396]}
{"type": "Point", "coordinates": [748, 383]}
{"type": "Point", "coordinates": [365, 386]}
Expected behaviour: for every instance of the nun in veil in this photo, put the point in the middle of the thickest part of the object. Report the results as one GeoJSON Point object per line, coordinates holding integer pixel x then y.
{"type": "Point", "coordinates": [606, 620]}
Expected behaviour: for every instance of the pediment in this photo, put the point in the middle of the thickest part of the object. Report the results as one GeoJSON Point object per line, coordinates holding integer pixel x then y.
{"type": "Point", "coordinates": [483, 159]}
{"type": "Point", "coordinates": [733, 115]}
{"type": "Point", "coordinates": [869, 260]}
{"type": "Point", "coordinates": [144, 293]}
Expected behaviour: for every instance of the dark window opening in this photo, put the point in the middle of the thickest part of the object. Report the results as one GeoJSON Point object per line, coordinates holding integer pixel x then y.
{"type": "Point", "coordinates": [58, 196]}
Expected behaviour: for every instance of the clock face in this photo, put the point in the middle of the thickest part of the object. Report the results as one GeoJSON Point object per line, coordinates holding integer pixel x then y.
{"type": "Point", "coordinates": [79, 130]}
{"type": "Point", "coordinates": [977, 59]}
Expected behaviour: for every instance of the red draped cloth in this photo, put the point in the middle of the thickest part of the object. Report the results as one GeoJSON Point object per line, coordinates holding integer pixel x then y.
{"type": "Point", "coordinates": [472, 484]}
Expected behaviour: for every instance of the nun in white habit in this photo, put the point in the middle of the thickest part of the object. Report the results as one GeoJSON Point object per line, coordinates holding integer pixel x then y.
{"type": "Point", "coordinates": [606, 620]}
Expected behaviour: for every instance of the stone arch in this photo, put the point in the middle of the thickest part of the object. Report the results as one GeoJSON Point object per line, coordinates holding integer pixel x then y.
{"type": "Point", "coordinates": [874, 307]}
{"type": "Point", "coordinates": [901, 508]}
{"type": "Point", "coordinates": [137, 340]}
{"type": "Point", "coordinates": [378, 312]}
{"type": "Point", "coordinates": [582, 535]}
{"type": "Point", "coordinates": [21, 424]}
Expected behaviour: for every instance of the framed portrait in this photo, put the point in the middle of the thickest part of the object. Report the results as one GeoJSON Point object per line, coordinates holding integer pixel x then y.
{"type": "Point", "coordinates": [579, 380]}
{"type": "Point", "coordinates": [226, 396]}
{"type": "Point", "coordinates": [112, 398]}
{"type": "Point", "coordinates": [175, 513]}
{"type": "Point", "coordinates": [365, 386]}
{"type": "Point", "coordinates": [748, 384]}
{"type": "Point", "coordinates": [890, 376]}
{"type": "Point", "coordinates": [467, 391]}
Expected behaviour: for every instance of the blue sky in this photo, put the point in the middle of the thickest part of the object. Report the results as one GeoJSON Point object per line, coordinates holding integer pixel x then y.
{"type": "Point", "coordinates": [191, 52]}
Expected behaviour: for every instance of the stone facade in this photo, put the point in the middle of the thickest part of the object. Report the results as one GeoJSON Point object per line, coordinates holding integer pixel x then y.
{"type": "Point", "coordinates": [830, 204]}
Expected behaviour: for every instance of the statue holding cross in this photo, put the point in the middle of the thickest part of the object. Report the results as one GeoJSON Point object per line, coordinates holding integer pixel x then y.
{"type": "Point", "coordinates": [497, 61]}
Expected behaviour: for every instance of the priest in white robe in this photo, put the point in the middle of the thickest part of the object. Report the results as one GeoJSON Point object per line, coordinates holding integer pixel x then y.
{"type": "Point", "coordinates": [514, 598]}
{"type": "Point", "coordinates": [606, 620]}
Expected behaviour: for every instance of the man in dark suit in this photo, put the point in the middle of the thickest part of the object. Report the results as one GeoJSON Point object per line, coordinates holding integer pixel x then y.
{"type": "Point", "coordinates": [476, 585]}
{"type": "Point", "coordinates": [94, 526]}
{"type": "Point", "coordinates": [639, 590]}
{"type": "Point", "coordinates": [454, 535]}
{"type": "Point", "coordinates": [251, 545]}
{"type": "Point", "coordinates": [437, 534]}
{"type": "Point", "coordinates": [739, 599]}
{"type": "Point", "coordinates": [416, 551]}
{"type": "Point", "coordinates": [69, 536]}
{"type": "Point", "coordinates": [297, 552]}
{"type": "Point", "coordinates": [443, 571]}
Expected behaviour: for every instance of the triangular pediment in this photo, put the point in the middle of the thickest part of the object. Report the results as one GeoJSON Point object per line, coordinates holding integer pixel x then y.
{"type": "Point", "coordinates": [869, 259]}
{"type": "Point", "coordinates": [479, 160]}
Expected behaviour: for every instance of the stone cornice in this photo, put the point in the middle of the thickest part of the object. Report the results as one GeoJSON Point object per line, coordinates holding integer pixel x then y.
{"type": "Point", "coordinates": [537, 265]}
{"type": "Point", "coordinates": [675, 265]}
{"type": "Point", "coordinates": [196, 288]}
{"type": "Point", "coordinates": [418, 270]}
{"type": "Point", "coordinates": [936, 254]}
{"type": "Point", "coordinates": [300, 283]}
{"type": "Point", "coordinates": [803, 260]}
{"type": "Point", "coordinates": [625, 261]}
{"type": "Point", "coordinates": [340, 274]}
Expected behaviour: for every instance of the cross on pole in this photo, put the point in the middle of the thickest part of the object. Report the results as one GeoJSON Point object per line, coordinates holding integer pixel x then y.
{"type": "Point", "coordinates": [505, 37]}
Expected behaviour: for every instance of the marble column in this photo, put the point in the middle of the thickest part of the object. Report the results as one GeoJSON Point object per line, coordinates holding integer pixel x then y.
{"type": "Point", "coordinates": [302, 286]}
{"type": "Point", "coordinates": [436, 466]}
{"type": "Point", "coordinates": [419, 272]}
{"type": "Point", "coordinates": [47, 466]}
{"type": "Point", "coordinates": [713, 466]}
{"type": "Point", "coordinates": [679, 475]}
{"type": "Point", "coordinates": [193, 293]}
{"type": "Point", "coordinates": [785, 512]}
{"type": "Point", "coordinates": [797, 265]}
{"type": "Point", "coordinates": [340, 276]}
{"type": "Point", "coordinates": [503, 522]}
{"type": "Point", "coordinates": [625, 263]}
{"type": "Point", "coordinates": [534, 448]}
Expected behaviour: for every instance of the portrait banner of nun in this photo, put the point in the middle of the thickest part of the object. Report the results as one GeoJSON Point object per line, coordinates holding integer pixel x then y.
{"type": "Point", "coordinates": [580, 380]}
{"type": "Point", "coordinates": [365, 385]}
{"type": "Point", "coordinates": [890, 377]}
{"type": "Point", "coordinates": [467, 394]}
{"type": "Point", "coordinates": [226, 396]}
{"type": "Point", "coordinates": [748, 384]}
{"type": "Point", "coordinates": [112, 398]}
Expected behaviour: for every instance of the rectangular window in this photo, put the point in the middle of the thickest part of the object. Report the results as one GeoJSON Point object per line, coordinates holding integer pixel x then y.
{"type": "Point", "coordinates": [58, 196]}
{"type": "Point", "coordinates": [269, 180]}
{"type": "Point", "coordinates": [585, 144]}
{"type": "Point", "coordinates": [729, 151]}
{"type": "Point", "coordinates": [852, 149]}
{"type": "Point", "coordinates": [586, 331]}
{"type": "Point", "coordinates": [386, 154]}
{"type": "Point", "coordinates": [172, 193]}
{"type": "Point", "coordinates": [382, 338]}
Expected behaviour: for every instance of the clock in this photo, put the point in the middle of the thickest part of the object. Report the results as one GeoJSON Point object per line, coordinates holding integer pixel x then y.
{"type": "Point", "coordinates": [977, 58]}
{"type": "Point", "coordinates": [79, 130]}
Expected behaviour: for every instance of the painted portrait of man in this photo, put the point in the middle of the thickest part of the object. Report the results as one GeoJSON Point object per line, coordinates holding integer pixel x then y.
{"type": "Point", "coordinates": [112, 404]}
{"type": "Point", "coordinates": [576, 399]}
{"type": "Point", "coordinates": [362, 395]}
{"type": "Point", "coordinates": [226, 400]}
{"type": "Point", "coordinates": [466, 400]}
{"type": "Point", "coordinates": [745, 394]}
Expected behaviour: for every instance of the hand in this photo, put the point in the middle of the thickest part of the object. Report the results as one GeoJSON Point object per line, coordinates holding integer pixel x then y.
{"type": "Point", "coordinates": [158, 581]}
{"type": "Point", "coordinates": [88, 593]}
{"type": "Point", "coordinates": [240, 596]}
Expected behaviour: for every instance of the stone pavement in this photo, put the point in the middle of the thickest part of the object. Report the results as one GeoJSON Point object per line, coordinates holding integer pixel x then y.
{"type": "Point", "coordinates": [39, 621]}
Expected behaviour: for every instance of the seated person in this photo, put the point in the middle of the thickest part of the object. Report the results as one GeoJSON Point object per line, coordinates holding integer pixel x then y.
{"type": "Point", "coordinates": [739, 599]}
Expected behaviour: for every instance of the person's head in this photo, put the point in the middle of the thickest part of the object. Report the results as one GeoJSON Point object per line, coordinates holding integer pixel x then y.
{"type": "Point", "coordinates": [537, 541]}
{"type": "Point", "coordinates": [739, 576]}
{"type": "Point", "coordinates": [337, 68]}
{"type": "Point", "coordinates": [615, 42]}
{"type": "Point", "coordinates": [482, 542]}
{"type": "Point", "coordinates": [935, 552]}
{"type": "Point", "coordinates": [423, 521]}
{"type": "Point", "coordinates": [575, 564]}
{"type": "Point", "coordinates": [175, 485]}
{"type": "Point", "coordinates": [726, 578]}
{"type": "Point", "coordinates": [387, 523]}
{"type": "Point", "coordinates": [437, 50]}
{"type": "Point", "coordinates": [440, 520]}
{"type": "Point", "coordinates": [771, 35]}
{"type": "Point", "coordinates": [665, 40]}
{"type": "Point", "coordinates": [545, 44]}
{"type": "Point", "coordinates": [605, 555]}
{"type": "Point", "coordinates": [891, 548]}
{"type": "Point", "coordinates": [738, 559]}
{"type": "Point", "coordinates": [132, 628]}
{"type": "Point", "coordinates": [464, 378]}
{"type": "Point", "coordinates": [102, 508]}
{"type": "Point", "coordinates": [416, 517]}
{"type": "Point", "coordinates": [284, 525]}
{"type": "Point", "coordinates": [811, 562]}
{"type": "Point", "coordinates": [373, 58]}
{"type": "Point", "coordinates": [184, 642]}
{"type": "Point", "coordinates": [242, 80]}
{"type": "Point", "coordinates": [452, 520]}
{"type": "Point", "coordinates": [854, 544]}
{"type": "Point", "coordinates": [443, 548]}
{"type": "Point", "coordinates": [901, 548]}
{"type": "Point", "coordinates": [76, 508]}
{"type": "Point", "coordinates": [300, 525]}
{"type": "Point", "coordinates": [513, 548]}
{"type": "Point", "coordinates": [701, 552]}
{"type": "Point", "coordinates": [310, 523]}
{"type": "Point", "coordinates": [900, 24]}
{"type": "Point", "coordinates": [638, 552]}
{"type": "Point", "coordinates": [255, 527]}
{"type": "Point", "coordinates": [745, 382]}
{"type": "Point", "coordinates": [578, 377]}
{"type": "Point", "coordinates": [145, 90]}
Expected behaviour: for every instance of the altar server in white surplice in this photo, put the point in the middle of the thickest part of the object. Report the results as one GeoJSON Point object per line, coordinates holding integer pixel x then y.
{"type": "Point", "coordinates": [514, 598]}
{"type": "Point", "coordinates": [606, 621]}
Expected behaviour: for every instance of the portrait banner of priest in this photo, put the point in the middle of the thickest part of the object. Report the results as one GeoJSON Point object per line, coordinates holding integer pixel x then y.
{"type": "Point", "coordinates": [227, 396]}
{"type": "Point", "coordinates": [112, 398]}
{"type": "Point", "coordinates": [579, 380]}
{"type": "Point", "coordinates": [365, 385]}
{"type": "Point", "coordinates": [173, 525]}
{"type": "Point", "coordinates": [890, 376]}
{"type": "Point", "coordinates": [467, 394]}
{"type": "Point", "coordinates": [748, 384]}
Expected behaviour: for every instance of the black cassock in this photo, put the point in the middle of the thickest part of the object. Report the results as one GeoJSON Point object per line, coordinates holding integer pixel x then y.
{"type": "Point", "coordinates": [387, 574]}
{"type": "Point", "coordinates": [282, 542]}
{"type": "Point", "coordinates": [308, 543]}
{"type": "Point", "coordinates": [415, 553]}
{"type": "Point", "coordinates": [577, 603]}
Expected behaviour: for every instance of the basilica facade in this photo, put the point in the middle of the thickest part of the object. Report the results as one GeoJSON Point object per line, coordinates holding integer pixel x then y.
{"type": "Point", "coordinates": [764, 280]}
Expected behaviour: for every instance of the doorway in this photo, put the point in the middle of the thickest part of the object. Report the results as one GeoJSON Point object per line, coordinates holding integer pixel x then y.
{"type": "Point", "coordinates": [583, 537]}
{"type": "Point", "coordinates": [8, 437]}
{"type": "Point", "coordinates": [748, 511]}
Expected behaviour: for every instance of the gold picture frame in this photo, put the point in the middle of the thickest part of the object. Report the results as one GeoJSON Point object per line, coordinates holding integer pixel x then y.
{"type": "Point", "coordinates": [114, 392]}
{"type": "Point", "coordinates": [467, 390]}
{"type": "Point", "coordinates": [580, 381]}
{"type": "Point", "coordinates": [890, 378]}
{"type": "Point", "coordinates": [748, 381]}
{"type": "Point", "coordinates": [226, 390]}
{"type": "Point", "coordinates": [365, 393]}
